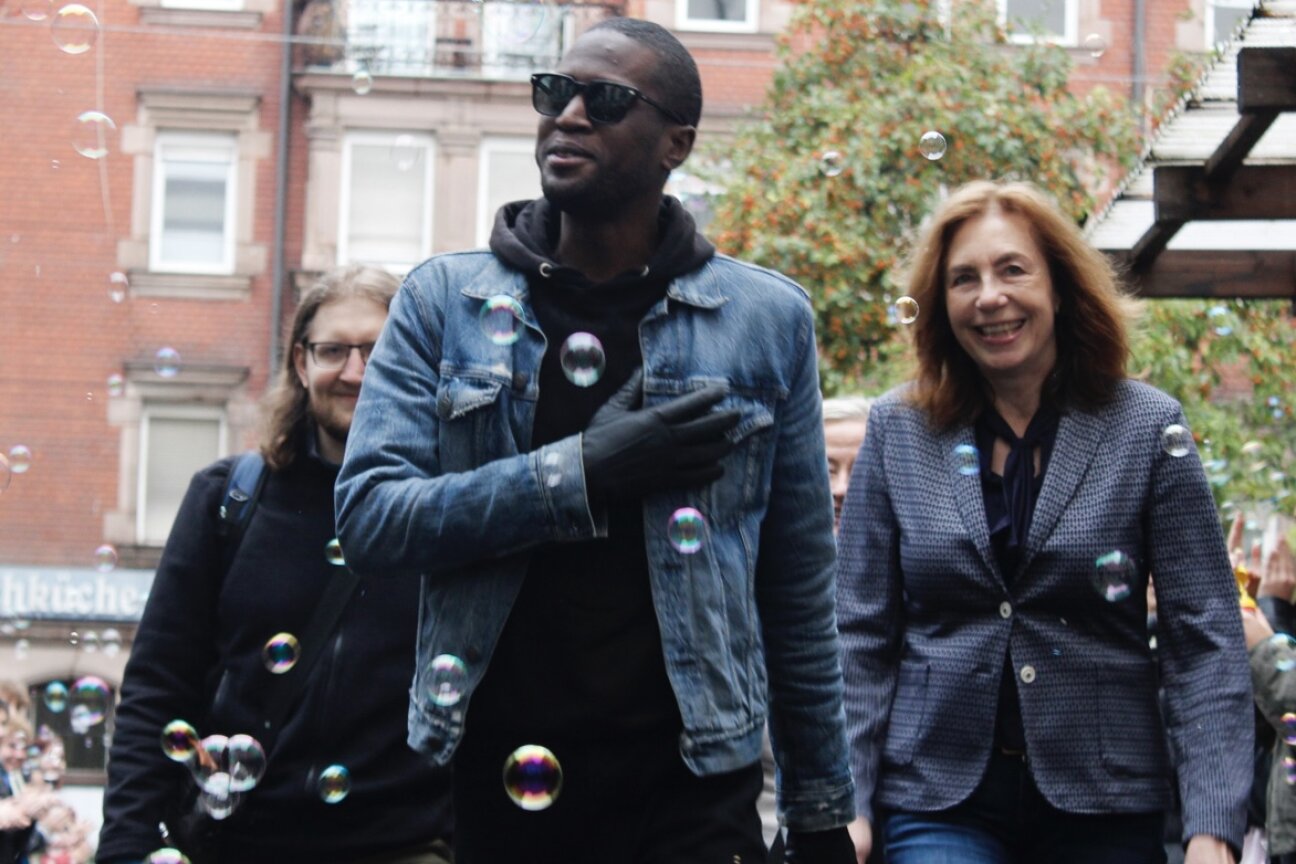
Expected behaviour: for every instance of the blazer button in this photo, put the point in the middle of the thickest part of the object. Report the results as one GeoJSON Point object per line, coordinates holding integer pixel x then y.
{"type": "Point", "coordinates": [1028, 674]}
{"type": "Point", "coordinates": [1005, 609]}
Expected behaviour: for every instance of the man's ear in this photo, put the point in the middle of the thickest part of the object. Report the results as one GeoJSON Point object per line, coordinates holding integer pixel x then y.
{"type": "Point", "coordinates": [679, 146]}
{"type": "Point", "coordinates": [299, 363]}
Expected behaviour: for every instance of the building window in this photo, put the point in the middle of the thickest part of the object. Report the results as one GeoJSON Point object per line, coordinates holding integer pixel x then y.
{"type": "Point", "coordinates": [175, 442]}
{"type": "Point", "coordinates": [1223, 18]}
{"type": "Point", "coordinates": [391, 37]}
{"type": "Point", "coordinates": [386, 206]}
{"type": "Point", "coordinates": [731, 16]}
{"type": "Point", "coordinates": [1027, 20]}
{"type": "Point", "coordinates": [193, 203]}
{"type": "Point", "coordinates": [506, 172]}
{"type": "Point", "coordinates": [520, 38]}
{"type": "Point", "coordinates": [208, 5]}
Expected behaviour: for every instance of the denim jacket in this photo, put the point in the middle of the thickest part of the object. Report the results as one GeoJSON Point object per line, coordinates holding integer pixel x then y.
{"type": "Point", "coordinates": [440, 479]}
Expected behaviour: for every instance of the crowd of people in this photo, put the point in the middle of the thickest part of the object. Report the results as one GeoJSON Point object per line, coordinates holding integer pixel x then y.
{"type": "Point", "coordinates": [590, 501]}
{"type": "Point", "coordinates": [36, 824]}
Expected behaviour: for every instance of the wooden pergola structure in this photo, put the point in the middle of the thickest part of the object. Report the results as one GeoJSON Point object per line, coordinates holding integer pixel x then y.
{"type": "Point", "coordinates": [1211, 212]}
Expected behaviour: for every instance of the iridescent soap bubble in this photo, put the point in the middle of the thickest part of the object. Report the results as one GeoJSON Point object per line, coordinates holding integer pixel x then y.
{"type": "Point", "coordinates": [1113, 575]}
{"type": "Point", "coordinates": [74, 29]}
{"type": "Point", "coordinates": [247, 762]}
{"type": "Point", "coordinates": [932, 145]}
{"type": "Point", "coordinates": [1176, 440]}
{"type": "Point", "coordinates": [56, 696]}
{"type": "Point", "coordinates": [1289, 770]}
{"type": "Point", "coordinates": [105, 558]}
{"type": "Point", "coordinates": [523, 24]}
{"type": "Point", "coordinates": [166, 855]}
{"type": "Point", "coordinates": [6, 473]}
{"type": "Point", "coordinates": [1286, 646]}
{"type": "Point", "coordinates": [362, 82]}
{"type": "Point", "coordinates": [79, 719]}
{"type": "Point", "coordinates": [218, 798]}
{"type": "Point", "coordinates": [1289, 728]}
{"type": "Point", "coordinates": [686, 530]}
{"type": "Point", "coordinates": [406, 152]}
{"type": "Point", "coordinates": [906, 310]}
{"type": "Point", "coordinates": [112, 641]}
{"type": "Point", "coordinates": [968, 460]}
{"type": "Point", "coordinates": [1253, 450]}
{"type": "Point", "coordinates": [281, 652]}
{"type": "Point", "coordinates": [1219, 320]}
{"type": "Point", "coordinates": [447, 675]}
{"type": "Point", "coordinates": [116, 385]}
{"type": "Point", "coordinates": [35, 10]}
{"type": "Point", "coordinates": [832, 164]}
{"type": "Point", "coordinates": [333, 553]}
{"type": "Point", "coordinates": [180, 741]}
{"type": "Point", "coordinates": [21, 649]}
{"type": "Point", "coordinates": [1095, 45]}
{"type": "Point", "coordinates": [167, 362]}
{"type": "Point", "coordinates": [92, 693]}
{"type": "Point", "coordinates": [20, 458]}
{"type": "Point", "coordinates": [582, 359]}
{"type": "Point", "coordinates": [532, 777]}
{"type": "Point", "coordinates": [90, 642]}
{"type": "Point", "coordinates": [334, 784]}
{"type": "Point", "coordinates": [213, 759]}
{"type": "Point", "coordinates": [501, 319]}
{"type": "Point", "coordinates": [118, 285]}
{"type": "Point", "coordinates": [91, 134]}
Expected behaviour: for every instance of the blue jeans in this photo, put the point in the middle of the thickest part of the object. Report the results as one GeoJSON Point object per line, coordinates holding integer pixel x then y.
{"type": "Point", "coordinates": [1008, 821]}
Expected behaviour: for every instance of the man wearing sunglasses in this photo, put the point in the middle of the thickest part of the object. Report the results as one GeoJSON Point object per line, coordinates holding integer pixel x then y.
{"type": "Point", "coordinates": [600, 444]}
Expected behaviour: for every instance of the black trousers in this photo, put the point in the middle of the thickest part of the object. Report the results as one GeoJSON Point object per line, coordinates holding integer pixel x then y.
{"type": "Point", "coordinates": [625, 801]}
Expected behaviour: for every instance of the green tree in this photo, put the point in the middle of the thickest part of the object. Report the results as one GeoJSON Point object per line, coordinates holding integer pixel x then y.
{"type": "Point", "coordinates": [828, 184]}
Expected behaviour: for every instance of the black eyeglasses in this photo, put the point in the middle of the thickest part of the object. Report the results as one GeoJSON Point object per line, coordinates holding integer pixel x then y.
{"type": "Point", "coordinates": [605, 102]}
{"type": "Point", "coordinates": [334, 355]}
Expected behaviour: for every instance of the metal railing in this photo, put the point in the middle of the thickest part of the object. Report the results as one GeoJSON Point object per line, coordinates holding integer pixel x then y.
{"type": "Point", "coordinates": [490, 39]}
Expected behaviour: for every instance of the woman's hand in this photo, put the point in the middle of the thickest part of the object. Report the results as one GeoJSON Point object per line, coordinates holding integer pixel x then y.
{"type": "Point", "coordinates": [1278, 574]}
{"type": "Point", "coordinates": [1255, 627]}
{"type": "Point", "coordinates": [1205, 849]}
{"type": "Point", "coordinates": [861, 833]}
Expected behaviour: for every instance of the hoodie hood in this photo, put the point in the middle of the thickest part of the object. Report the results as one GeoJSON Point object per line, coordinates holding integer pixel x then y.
{"type": "Point", "coordinates": [526, 234]}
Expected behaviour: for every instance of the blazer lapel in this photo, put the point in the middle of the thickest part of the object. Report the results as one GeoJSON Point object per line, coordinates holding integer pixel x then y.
{"type": "Point", "coordinates": [1077, 441]}
{"type": "Point", "coordinates": [968, 494]}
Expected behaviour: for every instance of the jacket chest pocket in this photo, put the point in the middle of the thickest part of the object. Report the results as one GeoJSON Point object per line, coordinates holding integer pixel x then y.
{"type": "Point", "coordinates": [747, 468]}
{"type": "Point", "coordinates": [474, 428]}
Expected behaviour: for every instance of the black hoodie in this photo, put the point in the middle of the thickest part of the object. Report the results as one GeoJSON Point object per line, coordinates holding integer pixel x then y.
{"type": "Point", "coordinates": [581, 652]}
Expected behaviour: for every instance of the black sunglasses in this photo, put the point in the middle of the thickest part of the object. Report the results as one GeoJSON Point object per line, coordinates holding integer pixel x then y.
{"type": "Point", "coordinates": [605, 102]}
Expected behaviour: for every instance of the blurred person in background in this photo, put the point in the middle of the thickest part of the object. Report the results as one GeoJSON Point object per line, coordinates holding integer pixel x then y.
{"type": "Point", "coordinates": [340, 784]}
{"type": "Point", "coordinates": [1003, 517]}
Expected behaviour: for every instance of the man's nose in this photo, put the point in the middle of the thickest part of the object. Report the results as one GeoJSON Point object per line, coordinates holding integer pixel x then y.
{"type": "Point", "coordinates": [354, 367]}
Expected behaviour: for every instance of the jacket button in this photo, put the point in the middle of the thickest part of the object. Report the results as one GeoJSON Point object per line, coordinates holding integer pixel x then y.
{"type": "Point", "coordinates": [1005, 609]}
{"type": "Point", "coordinates": [1028, 674]}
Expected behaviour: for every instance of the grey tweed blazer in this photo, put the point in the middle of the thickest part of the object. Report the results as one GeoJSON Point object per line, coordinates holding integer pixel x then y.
{"type": "Point", "coordinates": [926, 620]}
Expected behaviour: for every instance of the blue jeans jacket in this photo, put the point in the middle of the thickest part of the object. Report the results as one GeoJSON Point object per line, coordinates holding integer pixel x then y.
{"type": "Point", "coordinates": [440, 479]}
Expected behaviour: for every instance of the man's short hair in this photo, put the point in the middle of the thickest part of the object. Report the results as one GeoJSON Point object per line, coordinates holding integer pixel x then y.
{"type": "Point", "coordinates": [676, 78]}
{"type": "Point", "coordinates": [846, 408]}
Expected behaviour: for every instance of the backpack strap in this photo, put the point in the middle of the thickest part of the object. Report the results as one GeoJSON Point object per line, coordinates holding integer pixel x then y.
{"type": "Point", "coordinates": [242, 489]}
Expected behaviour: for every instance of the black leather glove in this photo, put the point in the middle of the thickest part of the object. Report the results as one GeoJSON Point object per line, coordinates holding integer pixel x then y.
{"type": "Point", "coordinates": [833, 846]}
{"type": "Point", "coordinates": [628, 452]}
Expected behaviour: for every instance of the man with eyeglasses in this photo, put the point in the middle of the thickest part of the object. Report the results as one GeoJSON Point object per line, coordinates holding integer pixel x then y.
{"type": "Point", "coordinates": [230, 619]}
{"type": "Point", "coordinates": [600, 444]}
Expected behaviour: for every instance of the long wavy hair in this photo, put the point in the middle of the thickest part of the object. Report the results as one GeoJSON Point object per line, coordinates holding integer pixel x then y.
{"type": "Point", "coordinates": [286, 405]}
{"type": "Point", "coordinates": [1089, 329]}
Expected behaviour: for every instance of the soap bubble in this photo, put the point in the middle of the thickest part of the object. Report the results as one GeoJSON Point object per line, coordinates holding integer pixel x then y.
{"type": "Point", "coordinates": [247, 762]}
{"type": "Point", "coordinates": [56, 696]}
{"type": "Point", "coordinates": [362, 82]}
{"type": "Point", "coordinates": [1095, 45]}
{"type": "Point", "coordinates": [1176, 440]}
{"type": "Point", "coordinates": [501, 319]}
{"type": "Point", "coordinates": [333, 553]}
{"type": "Point", "coordinates": [334, 784]}
{"type": "Point", "coordinates": [105, 558]}
{"type": "Point", "coordinates": [166, 362]}
{"type": "Point", "coordinates": [167, 855]}
{"type": "Point", "coordinates": [281, 652]}
{"type": "Point", "coordinates": [74, 29]}
{"type": "Point", "coordinates": [447, 676]}
{"type": "Point", "coordinates": [1113, 575]}
{"type": "Point", "coordinates": [532, 777]}
{"type": "Point", "coordinates": [582, 360]}
{"type": "Point", "coordinates": [91, 133]}
{"type": "Point", "coordinates": [686, 530]}
{"type": "Point", "coordinates": [20, 458]}
{"type": "Point", "coordinates": [968, 460]}
{"type": "Point", "coordinates": [180, 741]}
{"type": "Point", "coordinates": [118, 285]}
{"type": "Point", "coordinates": [932, 145]}
{"type": "Point", "coordinates": [832, 164]}
{"type": "Point", "coordinates": [906, 310]}
{"type": "Point", "coordinates": [406, 152]}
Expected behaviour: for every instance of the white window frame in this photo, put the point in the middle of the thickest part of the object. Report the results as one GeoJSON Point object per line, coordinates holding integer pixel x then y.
{"type": "Point", "coordinates": [1070, 35]}
{"type": "Point", "coordinates": [388, 139]}
{"type": "Point", "coordinates": [749, 24]}
{"type": "Point", "coordinates": [165, 411]}
{"type": "Point", "coordinates": [1213, 38]}
{"type": "Point", "coordinates": [490, 145]}
{"type": "Point", "coordinates": [204, 5]}
{"type": "Point", "coordinates": [203, 144]}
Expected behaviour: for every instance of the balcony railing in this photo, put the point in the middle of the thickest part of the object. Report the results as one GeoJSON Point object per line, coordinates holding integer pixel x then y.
{"type": "Point", "coordinates": [491, 39]}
